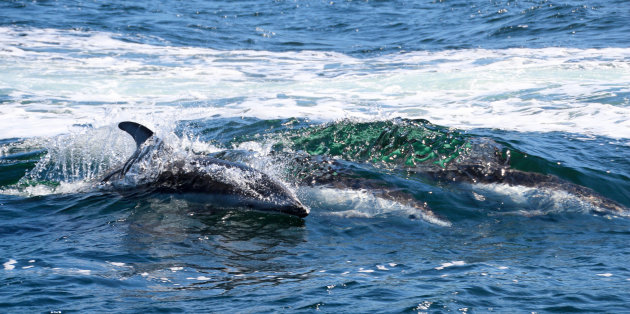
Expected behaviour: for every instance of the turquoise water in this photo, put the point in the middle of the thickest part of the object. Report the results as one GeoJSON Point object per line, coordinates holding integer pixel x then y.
{"type": "Point", "coordinates": [344, 83]}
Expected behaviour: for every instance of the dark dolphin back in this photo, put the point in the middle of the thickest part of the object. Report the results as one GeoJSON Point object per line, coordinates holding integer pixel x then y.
{"type": "Point", "coordinates": [139, 132]}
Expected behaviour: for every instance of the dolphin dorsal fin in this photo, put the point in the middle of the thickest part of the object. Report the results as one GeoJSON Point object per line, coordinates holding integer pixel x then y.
{"type": "Point", "coordinates": [139, 132]}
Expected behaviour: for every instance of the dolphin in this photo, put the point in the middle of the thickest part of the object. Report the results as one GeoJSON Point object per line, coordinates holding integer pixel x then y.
{"type": "Point", "coordinates": [152, 168]}
{"type": "Point", "coordinates": [324, 171]}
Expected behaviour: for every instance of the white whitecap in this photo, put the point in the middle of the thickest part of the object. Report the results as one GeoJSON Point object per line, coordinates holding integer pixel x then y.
{"type": "Point", "coordinates": [450, 264]}
{"type": "Point", "coordinates": [9, 265]}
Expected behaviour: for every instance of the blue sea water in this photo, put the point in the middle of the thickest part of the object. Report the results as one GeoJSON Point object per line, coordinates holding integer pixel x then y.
{"type": "Point", "coordinates": [547, 80]}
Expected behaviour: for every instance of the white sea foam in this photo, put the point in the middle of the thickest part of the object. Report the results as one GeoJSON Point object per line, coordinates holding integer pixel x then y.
{"type": "Point", "coordinates": [71, 271]}
{"type": "Point", "coordinates": [450, 264]}
{"type": "Point", "coordinates": [10, 265]}
{"type": "Point", "coordinates": [52, 79]}
{"type": "Point", "coordinates": [41, 190]}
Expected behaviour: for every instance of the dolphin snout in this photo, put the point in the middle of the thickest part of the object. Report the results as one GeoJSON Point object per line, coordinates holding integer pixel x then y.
{"type": "Point", "coordinates": [295, 208]}
{"type": "Point", "coordinates": [302, 211]}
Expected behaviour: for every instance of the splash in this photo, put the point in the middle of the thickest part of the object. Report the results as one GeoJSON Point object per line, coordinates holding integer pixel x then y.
{"type": "Point", "coordinates": [79, 156]}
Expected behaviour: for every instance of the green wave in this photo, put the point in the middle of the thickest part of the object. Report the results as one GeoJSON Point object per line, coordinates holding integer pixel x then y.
{"type": "Point", "coordinates": [395, 142]}
{"type": "Point", "coordinates": [17, 159]}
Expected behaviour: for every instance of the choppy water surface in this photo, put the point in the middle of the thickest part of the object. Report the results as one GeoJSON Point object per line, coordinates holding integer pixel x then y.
{"type": "Point", "coordinates": [345, 83]}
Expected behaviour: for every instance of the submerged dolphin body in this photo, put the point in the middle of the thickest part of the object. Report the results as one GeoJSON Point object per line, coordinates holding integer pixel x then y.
{"type": "Point", "coordinates": [486, 164]}
{"type": "Point", "coordinates": [483, 165]}
{"type": "Point", "coordinates": [512, 177]}
{"type": "Point", "coordinates": [200, 176]}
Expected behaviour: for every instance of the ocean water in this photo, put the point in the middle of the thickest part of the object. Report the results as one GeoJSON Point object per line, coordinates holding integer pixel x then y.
{"type": "Point", "coordinates": [352, 84]}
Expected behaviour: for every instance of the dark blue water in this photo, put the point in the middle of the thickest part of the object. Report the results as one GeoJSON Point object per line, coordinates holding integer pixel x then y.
{"type": "Point", "coordinates": [356, 27]}
{"type": "Point", "coordinates": [68, 246]}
